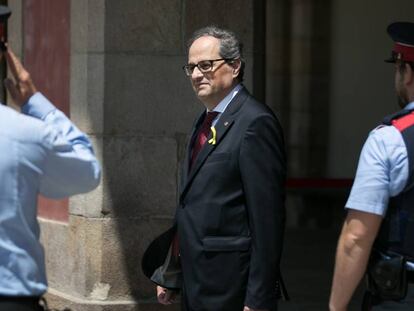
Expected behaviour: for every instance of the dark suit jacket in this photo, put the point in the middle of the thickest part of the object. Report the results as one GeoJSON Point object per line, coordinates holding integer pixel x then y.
{"type": "Point", "coordinates": [231, 213]}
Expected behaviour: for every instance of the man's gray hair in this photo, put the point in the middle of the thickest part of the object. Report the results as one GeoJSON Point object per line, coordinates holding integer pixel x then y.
{"type": "Point", "coordinates": [230, 47]}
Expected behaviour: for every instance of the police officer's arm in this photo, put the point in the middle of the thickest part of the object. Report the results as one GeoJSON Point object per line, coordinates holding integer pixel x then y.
{"type": "Point", "coordinates": [70, 166]}
{"type": "Point", "coordinates": [354, 247]}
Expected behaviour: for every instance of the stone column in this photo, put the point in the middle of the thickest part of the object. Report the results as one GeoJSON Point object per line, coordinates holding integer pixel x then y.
{"type": "Point", "coordinates": [309, 87]}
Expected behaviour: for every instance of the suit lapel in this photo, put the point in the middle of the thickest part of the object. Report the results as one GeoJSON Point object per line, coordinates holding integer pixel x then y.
{"type": "Point", "coordinates": [208, 148]}
{"type": "Point", "coordinates": [224, 123]}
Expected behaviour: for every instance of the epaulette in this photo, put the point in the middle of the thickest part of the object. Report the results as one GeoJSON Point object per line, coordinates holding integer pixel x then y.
{"type": "Point", "coordinates": [404, 122]}
{"type": "Point", "coordinates": [388, 120]}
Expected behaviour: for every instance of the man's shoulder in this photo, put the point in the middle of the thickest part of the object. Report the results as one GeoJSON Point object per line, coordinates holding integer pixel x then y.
{"type": "Point", "coordinates": [254, 108]}
{"type": "Point", "coordinates": [386, 134]}
{"type": "Point", "coordinates": [19, 126]}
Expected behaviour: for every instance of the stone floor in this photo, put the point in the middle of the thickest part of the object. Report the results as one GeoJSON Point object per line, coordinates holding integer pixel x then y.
{"type": "Point", "coordinates": [307, 266]}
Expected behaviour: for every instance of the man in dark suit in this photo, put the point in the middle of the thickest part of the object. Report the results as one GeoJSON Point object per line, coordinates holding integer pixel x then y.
{"type": "Point", "coordinates": [231, 214]}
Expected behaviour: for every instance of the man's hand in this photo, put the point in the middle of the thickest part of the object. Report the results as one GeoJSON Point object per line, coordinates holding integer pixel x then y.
{"type": "Point", "coordinates": [246, 308]}
{"type": "Point", "coordinates": [165, 296]}
{"type": "Point", "coordinates": [22, 88]}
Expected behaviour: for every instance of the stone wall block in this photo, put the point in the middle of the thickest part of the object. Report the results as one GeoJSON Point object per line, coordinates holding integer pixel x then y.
{"type": "Point", "coordinates": [302, 21]}
{"type": "Point", "coordinates": [234, 15]}
{"type": "Point", "coordinates": [54, 236]}
{"type": "Point", "coordinates": [73, 249]}
{"type": "Point", "coordinates": [148, 95]}
{"type": "Point", "coordinates": [144, 26]}
{"type": "Point", "coordinates": [140, 176]}
{"type": "Point", "coordinates": [87, 91]}
{"type": "Point", "coordinates": [99, 262]}
{"type": "Point", "coordinates": [300, 89]}
{"type": "Point", "coordinates": [90, 204]}
{"type": "Point", "coordinates": [87, 26]}
{"type": "Point", "coordinates": [15, 26]}
{"type": "Point", "coordinates": [301, 53]}
{"type": "Point", "coordinates": [79, 25]}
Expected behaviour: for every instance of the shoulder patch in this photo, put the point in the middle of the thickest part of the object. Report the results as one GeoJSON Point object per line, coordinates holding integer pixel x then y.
{"type": "Point", "coordinates": [404, 122]}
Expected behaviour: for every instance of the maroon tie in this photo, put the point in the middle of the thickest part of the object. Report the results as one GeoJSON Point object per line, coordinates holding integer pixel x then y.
{"type": "Point", "coordinates": [202, 135]}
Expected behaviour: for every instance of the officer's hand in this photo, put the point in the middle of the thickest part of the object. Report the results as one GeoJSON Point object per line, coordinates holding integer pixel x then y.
{"type": "Point", "coordinates": [165, 296]}
{"type": "Point", "coordinates": [21, 87]}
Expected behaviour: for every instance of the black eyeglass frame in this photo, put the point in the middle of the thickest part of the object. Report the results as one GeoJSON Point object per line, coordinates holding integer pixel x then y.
{"type": "Point", "coordinates": [189, 68]}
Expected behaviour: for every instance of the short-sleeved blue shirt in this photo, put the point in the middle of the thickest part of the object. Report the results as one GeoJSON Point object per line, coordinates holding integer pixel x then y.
{"type": "Point", "coordinates": [382, 170]}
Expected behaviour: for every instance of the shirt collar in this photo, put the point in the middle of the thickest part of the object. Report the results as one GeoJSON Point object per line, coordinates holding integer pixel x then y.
{"type": "Point", "coordinates": [409, 106]}
{"type": "Point", "coordinates": [221, 107]}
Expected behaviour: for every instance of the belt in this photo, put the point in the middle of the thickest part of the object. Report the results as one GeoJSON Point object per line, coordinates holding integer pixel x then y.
{"type": "Point", "coordinates": [8, 303]}
{"type": "Point", "coordinates": [20, 300]}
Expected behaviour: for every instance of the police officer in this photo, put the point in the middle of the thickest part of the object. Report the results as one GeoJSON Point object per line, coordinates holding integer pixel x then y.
{"type": "Point", "coordinates": [378, 233]}
{"type": "Point", "coordinates": [42, 152]}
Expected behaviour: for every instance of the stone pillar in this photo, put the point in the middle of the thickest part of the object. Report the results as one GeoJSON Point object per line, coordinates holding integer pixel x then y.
{"type": "Point", "coordinates": [298, 87]}
{"type": "Point", "coordinates": [309, 87]}
{"type": "Point", "coordinates": [129, 94]}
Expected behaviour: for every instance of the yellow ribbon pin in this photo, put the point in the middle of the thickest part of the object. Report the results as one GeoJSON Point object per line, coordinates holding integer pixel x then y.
{"type": "Point", "coordinates": [212, 141]}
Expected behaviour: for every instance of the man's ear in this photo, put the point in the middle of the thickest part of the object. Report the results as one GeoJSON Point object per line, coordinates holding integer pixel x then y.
{"type": "Point", "coordinates": [236, 64]}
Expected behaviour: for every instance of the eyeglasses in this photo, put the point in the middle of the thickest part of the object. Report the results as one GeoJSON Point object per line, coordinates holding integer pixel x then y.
{"type": "Point", "coordinates": [203, 66]}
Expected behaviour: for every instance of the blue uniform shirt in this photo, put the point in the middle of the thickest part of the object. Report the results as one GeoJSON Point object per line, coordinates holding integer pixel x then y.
{"type": "Point", "coordinates": [45, 153]}
{"type": "Point", "coordinates": [382, 170]}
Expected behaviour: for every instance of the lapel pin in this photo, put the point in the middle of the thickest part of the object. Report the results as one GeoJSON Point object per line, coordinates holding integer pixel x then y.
{"type": "Point", "coordinates": [212, 141]}
{"type": "Point", "coordinates": [226, 123]}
